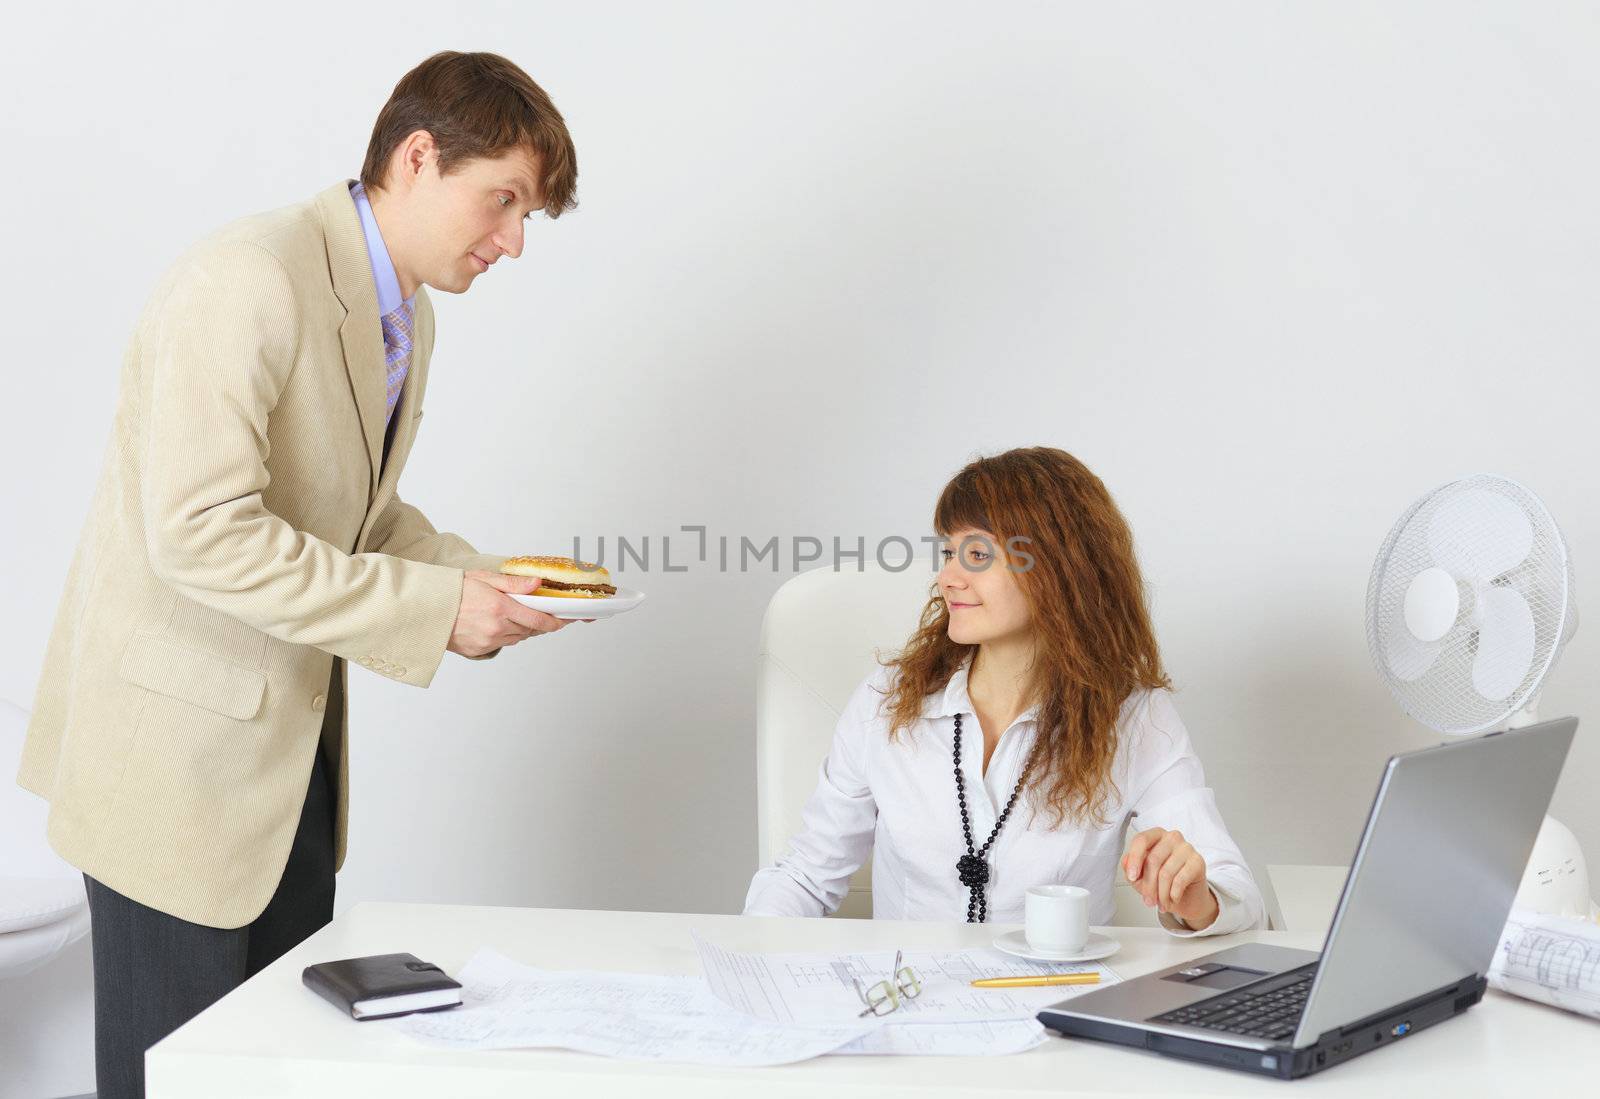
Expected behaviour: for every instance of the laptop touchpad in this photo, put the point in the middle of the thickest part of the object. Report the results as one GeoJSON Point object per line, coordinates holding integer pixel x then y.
{"type": "Point", "coordinates": [1212, 975]}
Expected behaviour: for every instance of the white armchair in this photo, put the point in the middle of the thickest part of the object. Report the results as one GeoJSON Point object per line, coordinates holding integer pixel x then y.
{"type": "Point", "coordinates": [46, 967]}
{"type": "Point", "coordinates": [819, 639]}
{"type": "Point", "coordinates": [1306, 896]}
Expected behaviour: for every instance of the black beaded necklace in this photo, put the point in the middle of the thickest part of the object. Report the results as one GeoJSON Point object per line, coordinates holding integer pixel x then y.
{"type": "Point", "coordinates": [971, 867]}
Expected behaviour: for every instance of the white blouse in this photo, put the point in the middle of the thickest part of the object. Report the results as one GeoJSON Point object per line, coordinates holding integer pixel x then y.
{"type": "Point", "coordinates": [896, 800]}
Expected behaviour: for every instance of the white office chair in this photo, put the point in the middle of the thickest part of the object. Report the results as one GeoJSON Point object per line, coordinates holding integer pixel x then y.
{"type": "Point", "coordinates": [1306, 895]}
{"type": "Point", "coordinates": [43, 909]}
{"type": "Point", "coordinates": [819, 640]}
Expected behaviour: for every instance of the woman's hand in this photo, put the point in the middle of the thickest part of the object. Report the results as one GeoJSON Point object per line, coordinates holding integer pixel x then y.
{"type": "Point", "coordinates": [1171, 876]}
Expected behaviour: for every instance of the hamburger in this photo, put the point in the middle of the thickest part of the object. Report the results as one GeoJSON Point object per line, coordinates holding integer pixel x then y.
{"type": "Point", "coordinates": [562, 576]}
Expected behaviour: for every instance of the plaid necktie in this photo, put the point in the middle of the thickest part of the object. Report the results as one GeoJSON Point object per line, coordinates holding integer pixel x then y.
{"type": "Point", "coordinates": [397, 352]}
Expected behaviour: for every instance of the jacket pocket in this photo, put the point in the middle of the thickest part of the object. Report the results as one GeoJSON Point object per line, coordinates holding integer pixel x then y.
{"type": "Point", "coordinates": [193, 676]}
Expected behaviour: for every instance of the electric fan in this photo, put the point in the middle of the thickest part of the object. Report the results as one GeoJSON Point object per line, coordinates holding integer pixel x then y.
{"type": "Point", "coordinates": [1469, 604]}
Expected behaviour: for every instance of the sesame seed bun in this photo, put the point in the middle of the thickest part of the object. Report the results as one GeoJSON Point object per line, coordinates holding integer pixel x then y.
{"type": "Point", "coordinates": [562, 576]}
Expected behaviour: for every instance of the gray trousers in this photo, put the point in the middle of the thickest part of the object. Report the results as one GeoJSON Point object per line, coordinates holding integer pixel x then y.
{"type": "Point", "coordinates": [154, 972]}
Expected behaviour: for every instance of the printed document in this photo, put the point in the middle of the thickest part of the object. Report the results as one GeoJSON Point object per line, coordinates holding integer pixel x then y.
{"type": "Point", "coordinates": [642, 1017]}
{"type": "Point", "coordinates": [1552, 959]}
{"type": "Point", "coordinates": [818, 990]}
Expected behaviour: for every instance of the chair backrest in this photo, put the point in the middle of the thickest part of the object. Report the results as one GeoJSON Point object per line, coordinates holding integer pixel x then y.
{"type": "Point", "coordinates": [24, 851]}
{"type": "Point", "coordinates": [821, 637]}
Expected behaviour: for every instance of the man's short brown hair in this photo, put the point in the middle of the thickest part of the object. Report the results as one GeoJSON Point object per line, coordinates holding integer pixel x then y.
{"type": "Point", "coordinates": [476, 105]}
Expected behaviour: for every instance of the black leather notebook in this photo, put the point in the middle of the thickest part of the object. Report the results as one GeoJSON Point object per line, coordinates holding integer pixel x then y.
{"type": "Point", "coordinates": [383, 985]}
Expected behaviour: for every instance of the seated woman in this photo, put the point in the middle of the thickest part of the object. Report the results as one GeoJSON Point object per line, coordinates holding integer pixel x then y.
{"type": "Point", "coordinates": [1020, 734]}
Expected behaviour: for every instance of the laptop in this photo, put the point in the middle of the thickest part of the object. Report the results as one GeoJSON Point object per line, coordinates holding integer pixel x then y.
{"type": "Point", "coordinates": [1417, 924]}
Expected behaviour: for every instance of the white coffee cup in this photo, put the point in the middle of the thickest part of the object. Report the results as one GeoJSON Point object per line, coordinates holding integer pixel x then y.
{"type": "Point", "coordinates": [1057, 918]}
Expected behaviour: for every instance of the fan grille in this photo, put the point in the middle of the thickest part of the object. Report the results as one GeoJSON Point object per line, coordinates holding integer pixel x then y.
{"type": "Point", "coordinates": [1443, 697]}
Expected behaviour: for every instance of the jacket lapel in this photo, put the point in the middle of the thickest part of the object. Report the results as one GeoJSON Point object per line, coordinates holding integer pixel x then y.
{"type": "Point", "coordinates": [361, 332]}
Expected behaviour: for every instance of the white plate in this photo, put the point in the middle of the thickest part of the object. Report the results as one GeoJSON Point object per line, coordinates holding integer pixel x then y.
{"type": "Point", "coordinates": [574, 609]}
{"type": "Point", "coordinates": [1097, 946]}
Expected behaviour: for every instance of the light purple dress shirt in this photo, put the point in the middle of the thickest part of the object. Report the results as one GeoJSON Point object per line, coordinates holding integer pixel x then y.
{"type": "Point", "coordinates": [397, 358]}
{"type": "Point", "coordinates": [383, 273]}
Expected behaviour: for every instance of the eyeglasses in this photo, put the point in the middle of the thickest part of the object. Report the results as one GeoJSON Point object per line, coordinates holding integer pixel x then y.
{"type": "Point", "coordinates": [902, 984]}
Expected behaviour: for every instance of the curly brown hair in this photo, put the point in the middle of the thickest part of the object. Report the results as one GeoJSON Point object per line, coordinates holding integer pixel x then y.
{"type": "Point", "coordinates": [1094, 644]}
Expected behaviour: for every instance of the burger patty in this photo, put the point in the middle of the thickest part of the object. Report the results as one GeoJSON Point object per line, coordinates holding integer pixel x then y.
{"type": "Point", "coordinates": [608, 589]}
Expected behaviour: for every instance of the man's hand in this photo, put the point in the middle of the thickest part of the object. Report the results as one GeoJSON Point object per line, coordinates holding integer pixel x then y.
{"type": "Point", "coordinates": [1171, 876]}
{"type": "Point", "coordinates": [490, 619]}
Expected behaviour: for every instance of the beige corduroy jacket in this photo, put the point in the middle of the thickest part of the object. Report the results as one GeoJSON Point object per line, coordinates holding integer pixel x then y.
{"type": "Point", "coordinates": [241, 547]}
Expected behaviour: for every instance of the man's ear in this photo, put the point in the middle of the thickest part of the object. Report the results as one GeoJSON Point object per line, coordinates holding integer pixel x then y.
{"type": "Point", "coordinates": [412, 158]}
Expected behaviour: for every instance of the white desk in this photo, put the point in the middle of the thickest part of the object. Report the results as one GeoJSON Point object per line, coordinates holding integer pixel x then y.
{"type": "Point", "coordinates": [274, 1037]}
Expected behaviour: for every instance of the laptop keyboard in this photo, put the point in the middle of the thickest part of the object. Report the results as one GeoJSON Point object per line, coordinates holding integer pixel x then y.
{"type": "Point", "coordinates": [1272, 1014]}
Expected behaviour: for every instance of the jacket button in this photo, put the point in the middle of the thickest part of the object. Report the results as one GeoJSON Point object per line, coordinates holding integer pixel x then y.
{"type": "Point", "coordinates": [319, 703]}
{"type": "Point", "coordinates": [400, 671]}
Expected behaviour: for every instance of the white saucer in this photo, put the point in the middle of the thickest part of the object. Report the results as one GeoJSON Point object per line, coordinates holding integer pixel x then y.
{"type": "Point", "coordinates": [575, 609]}
{"type": "Point", "coordinates": [1096, 947]}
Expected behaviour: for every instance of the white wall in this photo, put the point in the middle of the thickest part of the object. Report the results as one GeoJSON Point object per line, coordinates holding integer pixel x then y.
{"type": "Point", "coordinates": [1272, 270]}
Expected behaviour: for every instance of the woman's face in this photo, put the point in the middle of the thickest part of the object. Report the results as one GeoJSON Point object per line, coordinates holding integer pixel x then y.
{"type": "Point", "coordinates": [985, 601]}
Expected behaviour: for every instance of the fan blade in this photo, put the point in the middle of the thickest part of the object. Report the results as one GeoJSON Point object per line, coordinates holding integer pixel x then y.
{"type": "Point", "coordinates": [1408, 658]}
{"type": "Point", "coordinates": [1505, 644]}
{"type": "Point", "coordinates": [1432, 603]}
{"type": "Point", "coordinates": [1479, 534]}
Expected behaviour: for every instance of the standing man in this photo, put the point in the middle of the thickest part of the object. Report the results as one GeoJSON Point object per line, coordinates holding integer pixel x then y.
{"type": "Point", "coordinates": [246, 541]}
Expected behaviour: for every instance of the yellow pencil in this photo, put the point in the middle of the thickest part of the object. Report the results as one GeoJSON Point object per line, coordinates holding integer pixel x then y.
{"type": "Point", "coordinates": [1035, 982]}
